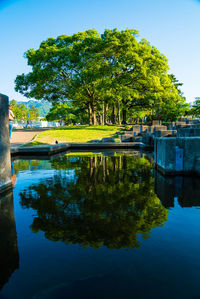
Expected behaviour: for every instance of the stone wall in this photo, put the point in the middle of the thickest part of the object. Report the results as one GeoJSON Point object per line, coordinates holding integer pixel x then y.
{"type": "Point", "coordinates": [5, 162]}
{"type": "Point", "coordinates": [177, 155]}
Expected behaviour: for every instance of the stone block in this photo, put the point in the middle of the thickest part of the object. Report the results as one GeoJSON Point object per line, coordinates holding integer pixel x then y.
{"type": "Point", "coordinates": [127, 138]}
{"type": "Point", "coordinates": [130, 133]}
{"type": "Point", "coordinates": [160, 128]}
{"type": "Point", "coordinates": [177, 155]}
{"type": "Point", "coordinates": [182, 119]}
{"type": "Point", "coordinates": [95, 140]}
{"type": "Point", "coordinates": [171, 126]}
{"type": "Point", "coordinates": [192, 121]}
{"type": "Point", "coordinates": [156, 122]}
{"type": "Point", "coordinates": [181, 124]}
{"type": "Point", "coordinates": [108, 139]}
{"type": "Point", "coordinates": [152, 129]}
{"type": "Point", "coordinates": [136, 127]}
{"type": "Point", "coordinates": [191, 148]}
{"type": "Point", "coordinates": [148, 140]}
{"type": "Point", "coordinates": [164, 154]}
{"type": "Point", "coordinates": [4, 124]}
{"type": "Point", "coordinates": [5, 161]}
{"type": "Point", "coordinates": [188, 132]}
{"type": "Point", "coordinates": [165, 133]}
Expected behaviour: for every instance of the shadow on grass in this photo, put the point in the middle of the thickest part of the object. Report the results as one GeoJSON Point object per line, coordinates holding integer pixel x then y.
{"type": "Point", "coordinates": [86, 127]}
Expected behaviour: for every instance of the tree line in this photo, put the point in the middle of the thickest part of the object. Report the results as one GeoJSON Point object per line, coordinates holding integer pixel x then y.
{"type": "Point", "coordinates": [103, 79]}
{"type": "Point", "coordinates": [21, 112]}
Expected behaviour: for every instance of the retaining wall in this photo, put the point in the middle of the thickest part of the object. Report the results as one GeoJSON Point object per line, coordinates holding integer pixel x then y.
{"type": "Point", "coordinates": [5, 162]}
{"type": "Point", "coordinates": [177, 155]}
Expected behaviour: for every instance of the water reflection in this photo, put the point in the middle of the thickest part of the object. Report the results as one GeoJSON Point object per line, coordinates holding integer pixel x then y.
{"type": "Point", "coordinates": [185, 189]}
{"type": "Point", "coordinates": [9, 256]}
{"type": "Point", "coordinates": [96, 200]}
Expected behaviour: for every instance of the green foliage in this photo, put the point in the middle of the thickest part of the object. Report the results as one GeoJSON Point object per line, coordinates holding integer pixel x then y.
{"type": "Point", "coordinates": [33, 113]}
{"type": "Point", "coordinates": [195, 110]}
{"type": "Point", "coordinates": [65, 113]}
{"type": "Point", "coordinates": [19, 110]}
{"type": "Point", "coordinates": [91, 69]}
{"type": "Point", "coordinates": [173, 105]}
{"type": "Point", "coordinates": [103, 200]}
{"type": "Point", "coordinates": [42, 106]}
{"type": "Point", "coordinates": [22, 113]}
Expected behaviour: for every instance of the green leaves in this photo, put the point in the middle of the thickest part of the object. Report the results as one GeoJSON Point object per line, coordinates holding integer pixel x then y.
{"type": "Point", "coordinates": [21, 112]}
{"type": "Point", "coordinates": [88, 68]}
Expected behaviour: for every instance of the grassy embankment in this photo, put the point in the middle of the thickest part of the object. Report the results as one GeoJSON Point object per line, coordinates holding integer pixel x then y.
{"type": "Point", "coordinates": [82, 133]}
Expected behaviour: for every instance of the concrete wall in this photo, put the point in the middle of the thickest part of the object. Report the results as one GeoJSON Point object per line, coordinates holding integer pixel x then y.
{"type": "Point", "coordinates": [177, 155]}
{"type": "Point", "coordinates": [5, 162]}
{"type": "Point", "coordinates": [189, 132]}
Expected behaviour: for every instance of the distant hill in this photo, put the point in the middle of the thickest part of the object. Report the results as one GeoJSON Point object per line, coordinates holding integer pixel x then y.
{"type": "Point", "coordinates": [42, 106]}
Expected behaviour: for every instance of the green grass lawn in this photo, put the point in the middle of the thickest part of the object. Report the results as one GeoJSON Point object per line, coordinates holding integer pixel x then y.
{"type": "Point", "coordinates": [82, 133]}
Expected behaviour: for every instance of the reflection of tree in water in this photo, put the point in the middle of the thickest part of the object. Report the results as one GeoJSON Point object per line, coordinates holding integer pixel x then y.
{"type": "Point", "coordinates": [22, 165]}
{"type": "Point", "coordinates": [109, 201]}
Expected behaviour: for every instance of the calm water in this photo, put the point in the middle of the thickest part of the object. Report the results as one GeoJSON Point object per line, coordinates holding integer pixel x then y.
{"type": "Point", "coordinates": [99, 225]}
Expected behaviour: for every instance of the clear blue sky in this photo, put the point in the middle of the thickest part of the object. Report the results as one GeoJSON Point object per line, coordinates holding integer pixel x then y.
{"type": "Point", "coordinates": [173, 26]}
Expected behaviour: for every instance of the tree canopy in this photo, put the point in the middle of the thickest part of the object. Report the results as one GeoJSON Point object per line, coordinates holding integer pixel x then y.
{"type": "Point", "coordinates": [113, 71]}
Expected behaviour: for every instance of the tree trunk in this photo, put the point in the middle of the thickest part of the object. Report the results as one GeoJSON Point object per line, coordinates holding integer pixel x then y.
{"type": "Point", "coordinates": [90, 114]}
{"type": "Point", "coordinates": [113, 115]}
{"type": "Point", "coordinates": [94, 119]}
{"type": "Point", "coordinates": [99, 118]}
{"type": "Point", "coordinates": [123, 116]}
{"type": "Point", "coordinates": [118, 114]}
{"type": "Point", "coordinates": [106, 113]}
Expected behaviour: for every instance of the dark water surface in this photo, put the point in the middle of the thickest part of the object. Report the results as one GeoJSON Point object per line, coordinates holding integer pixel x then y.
{"type": "Point", "coordinates": [99, 225]}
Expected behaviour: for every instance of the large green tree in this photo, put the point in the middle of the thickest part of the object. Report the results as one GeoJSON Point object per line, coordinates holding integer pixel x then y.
{"type": "Point", "coordinates": [113, 70]}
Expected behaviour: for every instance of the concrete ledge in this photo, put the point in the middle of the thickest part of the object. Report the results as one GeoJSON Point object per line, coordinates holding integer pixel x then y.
{"type": "Point", "coordinates": [39, 150]}
{"type": "Point", "coordinates": [106, 145]}
{"type": "Point", "coordinates": [168, 172]}
{"type": "Point", "coordinates": [58, 148]}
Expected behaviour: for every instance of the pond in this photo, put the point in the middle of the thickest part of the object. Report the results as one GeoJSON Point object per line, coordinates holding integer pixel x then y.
{"type": "Point", "coordinates": [99, 225]}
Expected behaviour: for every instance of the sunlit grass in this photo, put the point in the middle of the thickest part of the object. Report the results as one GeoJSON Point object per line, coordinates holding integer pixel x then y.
{"type": "Point", "coordinates": [75, 134]}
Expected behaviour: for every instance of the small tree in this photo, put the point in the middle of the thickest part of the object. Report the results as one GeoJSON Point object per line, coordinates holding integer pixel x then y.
{"type": "Point", "coordinates": [63, 113]}
{"type": "Point", "coordinates": [33, 113]}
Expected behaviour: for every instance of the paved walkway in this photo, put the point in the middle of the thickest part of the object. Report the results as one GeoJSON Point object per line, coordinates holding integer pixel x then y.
{"type": "Point", "coordinates": [24, 136]}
